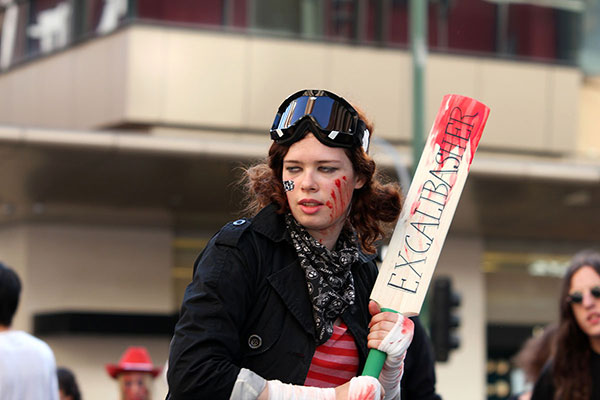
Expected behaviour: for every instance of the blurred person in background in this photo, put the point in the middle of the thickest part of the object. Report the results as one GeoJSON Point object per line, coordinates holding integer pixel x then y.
{"type": "Point", "coordinates": [532, 357]}
{"type": "Point", "coordinates": [67, 385]}
{"type": "Point", "coordinates": [27, 364]}
{"type": "Point", "coordinates": [279, 304]}
{"type": "Point", "coordinates": [574, 371]}
{"type": "Point", "coordinates": [135, 374]}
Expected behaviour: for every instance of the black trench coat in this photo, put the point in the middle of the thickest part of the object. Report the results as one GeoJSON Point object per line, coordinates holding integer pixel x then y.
{"type": "Point", "coordinates": [248, 307]}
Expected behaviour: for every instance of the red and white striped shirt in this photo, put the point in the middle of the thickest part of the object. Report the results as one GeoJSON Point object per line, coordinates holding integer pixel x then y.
{"type": "Point", "coordinates": [335, 362]}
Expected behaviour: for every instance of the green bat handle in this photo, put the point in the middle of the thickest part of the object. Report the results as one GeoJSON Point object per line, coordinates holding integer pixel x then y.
{"type": "Point", "coordinates": [375, 359]}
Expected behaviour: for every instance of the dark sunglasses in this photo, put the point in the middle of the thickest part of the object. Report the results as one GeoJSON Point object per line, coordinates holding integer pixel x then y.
{"type": "Point", "coordinates": [577, 297]}
{"type": "Point", "coordinates": [337, 122]}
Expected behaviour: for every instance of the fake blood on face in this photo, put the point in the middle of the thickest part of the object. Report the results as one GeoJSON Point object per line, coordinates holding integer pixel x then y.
{"type": "Point", "coordinates": [339, 203]}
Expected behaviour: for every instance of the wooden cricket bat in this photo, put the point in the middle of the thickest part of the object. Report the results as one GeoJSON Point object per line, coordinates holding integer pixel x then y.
{"type": "Point", "coordinates": [429, 206]}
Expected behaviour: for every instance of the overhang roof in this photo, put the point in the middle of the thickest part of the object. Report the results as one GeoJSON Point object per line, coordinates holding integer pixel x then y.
{"type": "Point", "coordinates": [191, 181]}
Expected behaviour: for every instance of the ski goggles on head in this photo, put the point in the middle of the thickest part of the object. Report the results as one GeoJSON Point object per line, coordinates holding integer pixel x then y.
{"type": "Point", "coordinates": [337, 122]}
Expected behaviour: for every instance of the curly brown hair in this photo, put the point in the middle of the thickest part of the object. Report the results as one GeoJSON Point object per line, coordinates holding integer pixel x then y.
{"type": "Point", "coordinates": [374, 207]}
{"type": "Point", "coordinates": [535, 352]}
{"type": "Point", "coordinates": [571, 367]}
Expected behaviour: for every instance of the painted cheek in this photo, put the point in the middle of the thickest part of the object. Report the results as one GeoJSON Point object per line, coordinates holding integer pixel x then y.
{"type": "Point", "coordinates": [336, 203]}
{"type": "Point", "coordinates": [345, 192]}
{"type": "Point", "coordinates": [339, 199]}
{"type": "Point", "coordinates": [332, 205]}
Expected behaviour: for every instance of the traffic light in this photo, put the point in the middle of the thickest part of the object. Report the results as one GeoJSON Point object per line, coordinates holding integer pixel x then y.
{"type": "Point", "coordinates": [443, 319]}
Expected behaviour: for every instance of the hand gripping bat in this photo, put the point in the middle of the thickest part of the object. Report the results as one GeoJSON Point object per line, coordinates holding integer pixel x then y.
{"type": "Point", "coordinates": [419, 235]}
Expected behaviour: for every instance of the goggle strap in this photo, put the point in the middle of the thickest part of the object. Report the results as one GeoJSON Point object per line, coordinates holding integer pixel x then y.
{"type": "Point", "coordinates": [366, 140]}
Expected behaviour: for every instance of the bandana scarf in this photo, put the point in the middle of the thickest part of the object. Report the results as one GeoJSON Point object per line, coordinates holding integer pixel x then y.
{"type": "Point", "coordinates": [328, 275]}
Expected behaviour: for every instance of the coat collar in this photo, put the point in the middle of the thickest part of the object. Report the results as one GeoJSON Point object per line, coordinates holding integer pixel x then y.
{"type": "Point", "coordinates": [289, 281]}
{"type": "Point", "coordinates": [271, 224]}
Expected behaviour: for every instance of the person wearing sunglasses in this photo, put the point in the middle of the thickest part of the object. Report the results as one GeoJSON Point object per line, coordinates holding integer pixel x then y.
{"type": "Point", "coordinates": [279, 303]}
{"type": "Point", "coordinates": [574, 371]}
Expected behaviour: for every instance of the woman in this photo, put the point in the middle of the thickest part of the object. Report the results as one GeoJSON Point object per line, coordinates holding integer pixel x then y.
{"type": "Point", "coordinates": [574, 372]}
{"type": "Point", "coordinates": [249, 328]}
{"type": "Point", "coordinates": [67, 385]}
{"type": "Point", "coordinates": [532, 358]}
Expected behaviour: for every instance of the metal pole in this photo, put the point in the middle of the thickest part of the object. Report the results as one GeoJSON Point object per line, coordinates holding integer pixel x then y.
{"type": "Point", "coordinates": [418, 40]}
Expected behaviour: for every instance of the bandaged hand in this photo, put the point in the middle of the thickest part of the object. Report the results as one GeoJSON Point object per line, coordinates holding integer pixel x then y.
{"type": "Point", "coordinates": [365, 388]}
{"type": "Point", "coordinates": [391, 333]}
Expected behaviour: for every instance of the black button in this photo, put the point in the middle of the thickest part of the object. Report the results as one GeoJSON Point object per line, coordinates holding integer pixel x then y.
{"type": "Point", "coordinates": [254, 341]}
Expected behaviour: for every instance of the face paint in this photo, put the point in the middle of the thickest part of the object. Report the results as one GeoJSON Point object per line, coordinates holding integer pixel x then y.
{"type": "Point", "coordinates": [325, 181]}
{"type": "Point", "coordinates": [288, 186]}
{"type": "Point", "coordinates": [339, 201]}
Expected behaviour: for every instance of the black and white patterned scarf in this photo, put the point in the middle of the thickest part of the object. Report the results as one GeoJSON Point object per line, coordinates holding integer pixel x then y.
{"type": "Point", "coordinates": [328, 275]}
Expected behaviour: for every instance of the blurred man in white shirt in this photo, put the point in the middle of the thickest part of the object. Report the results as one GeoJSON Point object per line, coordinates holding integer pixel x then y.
{"type": "Point", "coordinates": [27, 364]}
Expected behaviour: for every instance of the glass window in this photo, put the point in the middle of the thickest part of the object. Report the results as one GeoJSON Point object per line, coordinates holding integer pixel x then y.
{"type": "Point", "coordinates": [50, 25]}
{"type": "Point", "coordinates": [531, 31]}
{"type": "Point", "coordinates": [276, 15]}
{"type": "Point", "coordinates": [590, 52]}
{"type": "Point", "coordinates": [238, 11]}
{"type": "Point", "coordinates": [398, 22]}
{"type": "Point", "coordinates": [209, 12]}
{"type": "Point", "coordinates": [340, 19]}
{"type": "Point", "coordinates": [13, 34]}
{"type": "Point", "coordinates": [471, 26]}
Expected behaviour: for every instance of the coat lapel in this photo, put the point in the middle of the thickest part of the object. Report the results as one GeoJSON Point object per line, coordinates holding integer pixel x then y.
{"type": "Point", "coordinates": [290, 285]}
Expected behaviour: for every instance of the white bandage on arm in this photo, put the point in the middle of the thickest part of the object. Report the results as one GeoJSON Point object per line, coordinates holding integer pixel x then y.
{"type": "Point", "coordinates": [285, 391]}
{"type": "Point", "coordinates": [395, 345]}
{"type": "Point", "coordinates": [248, 386]}
{"type": "Point", "coordinates": [361, 388]}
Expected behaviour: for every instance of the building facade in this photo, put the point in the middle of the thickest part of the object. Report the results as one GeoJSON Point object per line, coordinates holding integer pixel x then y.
{"type": "Point", "coordinates": [124, 124]}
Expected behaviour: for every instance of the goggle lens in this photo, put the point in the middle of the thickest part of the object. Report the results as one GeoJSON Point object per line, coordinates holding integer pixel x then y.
{"type": "Point", "coordinates": [577, 297]}
{"type": "Point", "coordinates": [319, 108]}
{"type": "Point", "coordinates": [337, 121]}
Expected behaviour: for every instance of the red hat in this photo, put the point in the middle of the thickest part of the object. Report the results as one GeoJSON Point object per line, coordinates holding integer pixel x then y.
{"type": "Point", "coordinates": [135, 359]}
